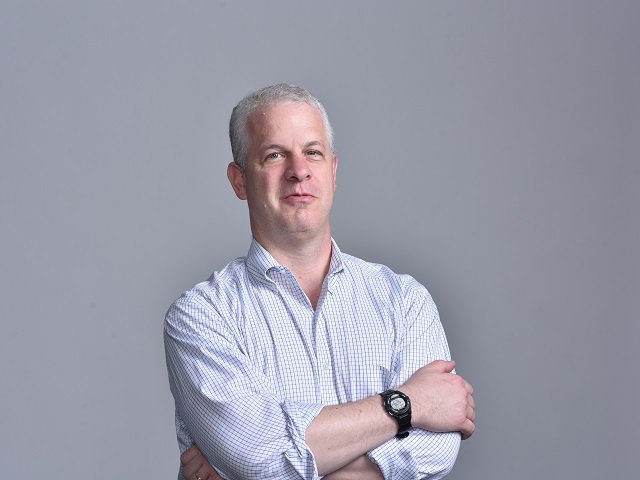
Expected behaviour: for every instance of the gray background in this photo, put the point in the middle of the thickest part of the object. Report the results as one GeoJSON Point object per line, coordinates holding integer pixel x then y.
{"type": "Point", "coordinates": [491, 149]}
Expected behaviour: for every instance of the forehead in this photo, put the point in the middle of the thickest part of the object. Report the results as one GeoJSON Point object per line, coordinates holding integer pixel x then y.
{"type": "Point", "coordinates": [286, 121]}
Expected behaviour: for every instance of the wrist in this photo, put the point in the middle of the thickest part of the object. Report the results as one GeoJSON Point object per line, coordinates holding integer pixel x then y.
{"type": "Point", "coordinates": [398, 405]}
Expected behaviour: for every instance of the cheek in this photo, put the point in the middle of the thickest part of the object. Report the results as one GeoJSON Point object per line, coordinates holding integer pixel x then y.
{"type": "Point", "coordinates": [262, 189]}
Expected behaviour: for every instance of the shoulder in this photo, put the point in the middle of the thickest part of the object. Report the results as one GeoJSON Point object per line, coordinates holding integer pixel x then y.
{"type": "Point", "coordinates": [401, 289]}
{"type": "Point", "coordinates": [377, 272]}
{"type": "Point", "coordinates": [208, 302]}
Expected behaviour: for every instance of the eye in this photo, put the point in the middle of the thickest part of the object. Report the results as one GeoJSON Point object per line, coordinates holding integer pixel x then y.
{"type": "Point", "coordinates": [314, 153]}
{"type": "Point", "coordinates": [273, 156]}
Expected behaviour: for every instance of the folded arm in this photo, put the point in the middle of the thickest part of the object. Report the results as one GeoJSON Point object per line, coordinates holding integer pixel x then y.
{"type": "Point", "coordinates": [443, 401]}
{"type": "Point", "coordinates": [228, 407]}
{"type": "Point", "coordinates": [195, 465]}
{"type": "Point", "coordinates": [246, 431]}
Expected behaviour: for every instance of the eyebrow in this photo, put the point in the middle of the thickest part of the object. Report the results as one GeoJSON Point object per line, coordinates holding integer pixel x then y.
{"type": "Point", "coordinates": [277, 146]}
{"type": "Point", "coordinates": [314, 143]}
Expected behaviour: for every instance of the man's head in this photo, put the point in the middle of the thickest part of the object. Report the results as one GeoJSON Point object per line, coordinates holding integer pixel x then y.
{"type": "Point", "coordinates": [282, 92]}
{"type": "Point", "coordinates": [284, 165]}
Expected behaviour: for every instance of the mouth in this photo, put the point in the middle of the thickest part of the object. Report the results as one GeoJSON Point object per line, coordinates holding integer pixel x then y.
{"type": "Point", "coordinates": [299, 197]}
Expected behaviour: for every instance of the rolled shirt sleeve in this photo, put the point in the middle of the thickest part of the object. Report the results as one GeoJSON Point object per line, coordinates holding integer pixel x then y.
{"type": "Point", "coordinates": [226, 405]}
{"type": "Point", "coordinates": [422, 454]}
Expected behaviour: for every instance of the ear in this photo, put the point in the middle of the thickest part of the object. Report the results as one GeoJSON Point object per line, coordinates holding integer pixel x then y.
{"type": "Point", "coordinates": [335, 169]}
{"type": "Point", "coordinates": [236, 178]}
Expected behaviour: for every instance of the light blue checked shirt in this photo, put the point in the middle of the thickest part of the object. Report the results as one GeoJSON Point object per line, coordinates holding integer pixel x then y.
{"type": "Point", "coordinates": [251, 363]}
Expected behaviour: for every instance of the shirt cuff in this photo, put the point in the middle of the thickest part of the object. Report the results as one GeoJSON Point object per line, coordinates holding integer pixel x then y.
{"type": "Point", "coordinates": [422, 454]}
{"type": "Point", "coordinates": [383, 457]}
{"type": "Point", "coordinates": [299, 416]}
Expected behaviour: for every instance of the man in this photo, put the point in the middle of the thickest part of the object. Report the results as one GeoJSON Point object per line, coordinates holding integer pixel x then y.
{"type": "Point", "coordinates": [300, 361]}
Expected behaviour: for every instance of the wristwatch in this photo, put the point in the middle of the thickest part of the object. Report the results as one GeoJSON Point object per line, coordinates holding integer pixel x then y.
{"type": "Point", "coordinates": [398, 405]}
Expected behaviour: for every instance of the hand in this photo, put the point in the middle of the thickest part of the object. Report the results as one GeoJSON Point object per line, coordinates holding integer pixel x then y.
{"type": "Point", "coordinates": [196, 466]}
{"type": "Point", "coordinates": [441, 401]}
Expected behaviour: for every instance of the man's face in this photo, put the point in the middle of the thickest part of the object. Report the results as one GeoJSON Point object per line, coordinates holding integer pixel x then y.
{"type": "Point", "coordinates": [290, 173]}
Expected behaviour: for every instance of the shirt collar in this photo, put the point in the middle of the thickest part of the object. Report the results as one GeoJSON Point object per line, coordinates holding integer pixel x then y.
{"type": "Point", "coordinates": [259, 261]}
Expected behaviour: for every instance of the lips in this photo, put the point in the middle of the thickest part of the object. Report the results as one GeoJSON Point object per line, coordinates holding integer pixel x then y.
{"type": "Point", "coordinates": [300, 195]}
{"type": "Point", "coordinates": [299, 198]}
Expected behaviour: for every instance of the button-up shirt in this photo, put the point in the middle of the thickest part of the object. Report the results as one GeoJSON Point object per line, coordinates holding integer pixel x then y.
{"type": "Point", "coordinates": [251, 363]}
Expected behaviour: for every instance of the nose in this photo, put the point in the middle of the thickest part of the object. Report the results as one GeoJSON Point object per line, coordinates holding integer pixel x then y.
{"type": "Point", "coordinates": [298, 168]}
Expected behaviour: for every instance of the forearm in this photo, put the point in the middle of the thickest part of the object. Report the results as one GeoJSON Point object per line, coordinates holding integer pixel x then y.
{"type": "Point", "coordinates": [342, 433]}
{"type": "Point", "coordinates": [360, 469]}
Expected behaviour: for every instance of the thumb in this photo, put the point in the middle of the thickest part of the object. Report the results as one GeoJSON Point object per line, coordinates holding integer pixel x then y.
{"type": "Point", "coordinates": [441, 366]}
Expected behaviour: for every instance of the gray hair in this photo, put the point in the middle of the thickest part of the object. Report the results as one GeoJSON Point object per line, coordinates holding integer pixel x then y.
{"type": "Point", "coordinates": [282, 92]}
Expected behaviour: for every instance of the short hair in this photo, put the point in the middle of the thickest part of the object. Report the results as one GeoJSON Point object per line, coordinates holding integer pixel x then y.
{"type": "Point", "coordinates": [282, 92]}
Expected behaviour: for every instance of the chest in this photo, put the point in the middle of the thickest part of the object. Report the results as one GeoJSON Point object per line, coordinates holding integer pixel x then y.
{"type": "Point", "coordinates": [341, 351]}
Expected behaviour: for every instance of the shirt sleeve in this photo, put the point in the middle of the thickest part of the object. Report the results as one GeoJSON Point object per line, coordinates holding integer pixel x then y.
{"type": "Point", "coordinates": [226, 405]}
{"type": "Point", "coordinates": [422, 454]}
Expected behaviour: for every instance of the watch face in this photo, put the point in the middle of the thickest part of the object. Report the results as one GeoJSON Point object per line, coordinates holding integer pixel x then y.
{"type": "Point", "coordinates": [397, 403]}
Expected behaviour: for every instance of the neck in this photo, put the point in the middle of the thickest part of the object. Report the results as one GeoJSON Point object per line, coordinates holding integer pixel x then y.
{"type": "Point", "coordinates": [307, 260]}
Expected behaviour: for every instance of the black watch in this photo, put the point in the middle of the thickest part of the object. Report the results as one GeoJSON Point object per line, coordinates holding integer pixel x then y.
{"type": "Point", "coordinates": [398, 405]}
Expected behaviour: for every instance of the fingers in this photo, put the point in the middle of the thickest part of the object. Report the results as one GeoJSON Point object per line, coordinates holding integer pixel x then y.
{"type": "Point", "coordinates": [468, 387]}
{"type": "Point", "coordinates": [195, 466]}
{"type": "Point", "coordinates": [193, 462]}
{"type": "Point", "coordinates": [471, 413]}
{"type": "Point", "coordinates": [206, 472]}
{"type": "Point", "coordinates": [471, 410]}
{"type": "Point", "coordinates": [189, 454]}
{"type": "Point", "coordinates": [467, 429]}
{"type": "Point", "coordinates": [469, 425]}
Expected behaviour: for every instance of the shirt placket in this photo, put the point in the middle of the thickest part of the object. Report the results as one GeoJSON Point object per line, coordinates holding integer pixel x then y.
{"type": "Point", "coordinates": [324, 359]}
{"type": "Point", "coordinates": [306, 319]}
